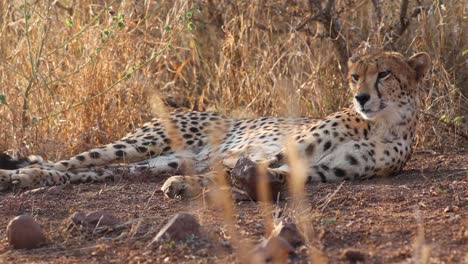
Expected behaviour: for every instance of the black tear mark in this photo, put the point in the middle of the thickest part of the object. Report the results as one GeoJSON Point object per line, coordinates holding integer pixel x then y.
{"type": "Point", "coordinates": [377, 88]}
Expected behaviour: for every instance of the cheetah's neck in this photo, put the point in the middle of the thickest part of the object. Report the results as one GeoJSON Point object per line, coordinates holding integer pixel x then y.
{"type": "Point", "coordinates": [396, 125]}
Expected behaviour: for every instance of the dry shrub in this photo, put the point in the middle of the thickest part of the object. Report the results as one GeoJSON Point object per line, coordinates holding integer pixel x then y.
{"type": "Point", "coordinates": [243, 58]}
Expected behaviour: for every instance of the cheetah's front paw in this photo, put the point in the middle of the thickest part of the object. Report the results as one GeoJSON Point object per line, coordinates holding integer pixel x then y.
{"type": "Point", "coordinates": [22, 181]}
{"type": "Point", "coordinates": [181, 187]}
{"type": "Point", "coordinates": [30, 178]}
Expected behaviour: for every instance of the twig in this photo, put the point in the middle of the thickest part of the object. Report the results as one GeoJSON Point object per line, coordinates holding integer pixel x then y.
{"type": "Point", "coordinates": [113, 85]}
{"type": "Point", "coordinates": [66, 8]}
{"type": "Point", "coordinates": [463, 171]}
{"type": "Point", "coordinates": [378, 10]}
{"type": "Point", "coordinates": [329, 18]}
{"type": "Point", "coordinates": [96, 18]}
{"type": "Point", "coordinates": [404, 22]}
{"type": "Point", "coordinates": [299, 27]}
{"type": "Point", "coordinates": [398, 29]}
{"type": "Point", "coordinates": [330, 197]}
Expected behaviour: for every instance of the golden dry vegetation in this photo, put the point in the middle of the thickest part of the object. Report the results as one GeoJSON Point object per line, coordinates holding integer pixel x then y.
{"type": "Point", "coordinates": [75, 74]}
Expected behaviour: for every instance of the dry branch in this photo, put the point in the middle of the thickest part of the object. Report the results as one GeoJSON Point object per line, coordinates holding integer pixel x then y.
{"type": "Point", "coordinates": [393, 33]}
{"type": "Point", "coordinates": [328, 17]}
{"type": "Point", "coordinates": [69, 9]}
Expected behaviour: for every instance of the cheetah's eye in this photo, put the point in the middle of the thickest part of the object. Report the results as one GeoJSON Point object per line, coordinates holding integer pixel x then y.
{"type": "Point", "coordinates": [355, 77]}
{"type": "Point", "coordinates": [383, 75]}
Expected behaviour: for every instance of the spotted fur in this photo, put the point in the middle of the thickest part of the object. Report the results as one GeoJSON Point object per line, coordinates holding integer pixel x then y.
{"type": "Point", "coordinates": [374, 138]}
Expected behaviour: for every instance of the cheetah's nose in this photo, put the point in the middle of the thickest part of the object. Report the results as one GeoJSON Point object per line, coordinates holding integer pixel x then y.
{"type": "Point", "coordinates": [362, 98]}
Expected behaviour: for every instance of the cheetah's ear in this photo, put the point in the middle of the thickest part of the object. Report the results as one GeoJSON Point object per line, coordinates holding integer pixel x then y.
{"type": "Point", "coordinates": [420, 63]}
{"type": "Point", "coordinates": [353, 59]}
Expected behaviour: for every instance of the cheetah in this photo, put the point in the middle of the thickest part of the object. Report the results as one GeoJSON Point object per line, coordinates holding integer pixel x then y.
{"type": "Point", "coordinates": [372, 138]}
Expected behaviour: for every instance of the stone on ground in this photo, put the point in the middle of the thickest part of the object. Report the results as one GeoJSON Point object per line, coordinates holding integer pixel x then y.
{"type": "Point", "coordinates": [23, 232]}
{"type": "Point", "coordinates": [275, 250]}
{"type": "Point", "coordinates": [179, 228]}
{"type": "Point", "coordinates": [245, 176]}
{"type": "Point", "coordinates": [94, 219]}
{"type": "Point", "coordinates": [289, 232]}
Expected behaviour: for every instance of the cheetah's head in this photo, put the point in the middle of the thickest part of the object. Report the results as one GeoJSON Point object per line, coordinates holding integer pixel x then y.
{"type": "Point", "coordinates": [384, 85]}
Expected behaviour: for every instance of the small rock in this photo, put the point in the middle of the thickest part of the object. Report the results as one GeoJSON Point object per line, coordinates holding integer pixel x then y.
{"type": "Point", "coordinates": [94, 219]}
{"type": "Point", "coordinates": [226, 243]}
{"type": "Point", "coordinates": [245, 177]}
{"type": "Point", "coordinates": [275, 249]}
{"type": "Point", "coordinates": [55, 190]}
{"type": "Point", "coordinates": [289, 232]}
{"type": "Point", "coordinates": [354, 256]}
{"type": "Point", "coordinates": [450, 209]}
{"type": "Point", "coordinates": [24, 232]}
{"type": "Point", "coordinates": [454, 218]}
{"type": "Point", "coordinates": [100, 219]}
{"type": "Point", "coordinates": [77, 218]}
{"type": "Point", "coordinates": [180, 227]}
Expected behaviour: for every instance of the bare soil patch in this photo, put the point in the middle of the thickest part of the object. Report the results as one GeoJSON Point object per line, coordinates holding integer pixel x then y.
{"type": "Point", "coordinates": [375, 220]}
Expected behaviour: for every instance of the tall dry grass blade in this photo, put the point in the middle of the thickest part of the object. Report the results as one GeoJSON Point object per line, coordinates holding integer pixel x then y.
{"type": "Point", "coordinates": [264, 197]}
{"type": "Point", "coordinates": [421, 250]}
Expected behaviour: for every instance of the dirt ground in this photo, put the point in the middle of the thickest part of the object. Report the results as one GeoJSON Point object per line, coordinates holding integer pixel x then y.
{"type": "Point", "coordinates": [378, 219]}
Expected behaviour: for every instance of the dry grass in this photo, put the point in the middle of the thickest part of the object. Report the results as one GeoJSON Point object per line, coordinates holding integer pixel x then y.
{"type": "Point", "coordinates": [61, 57]}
